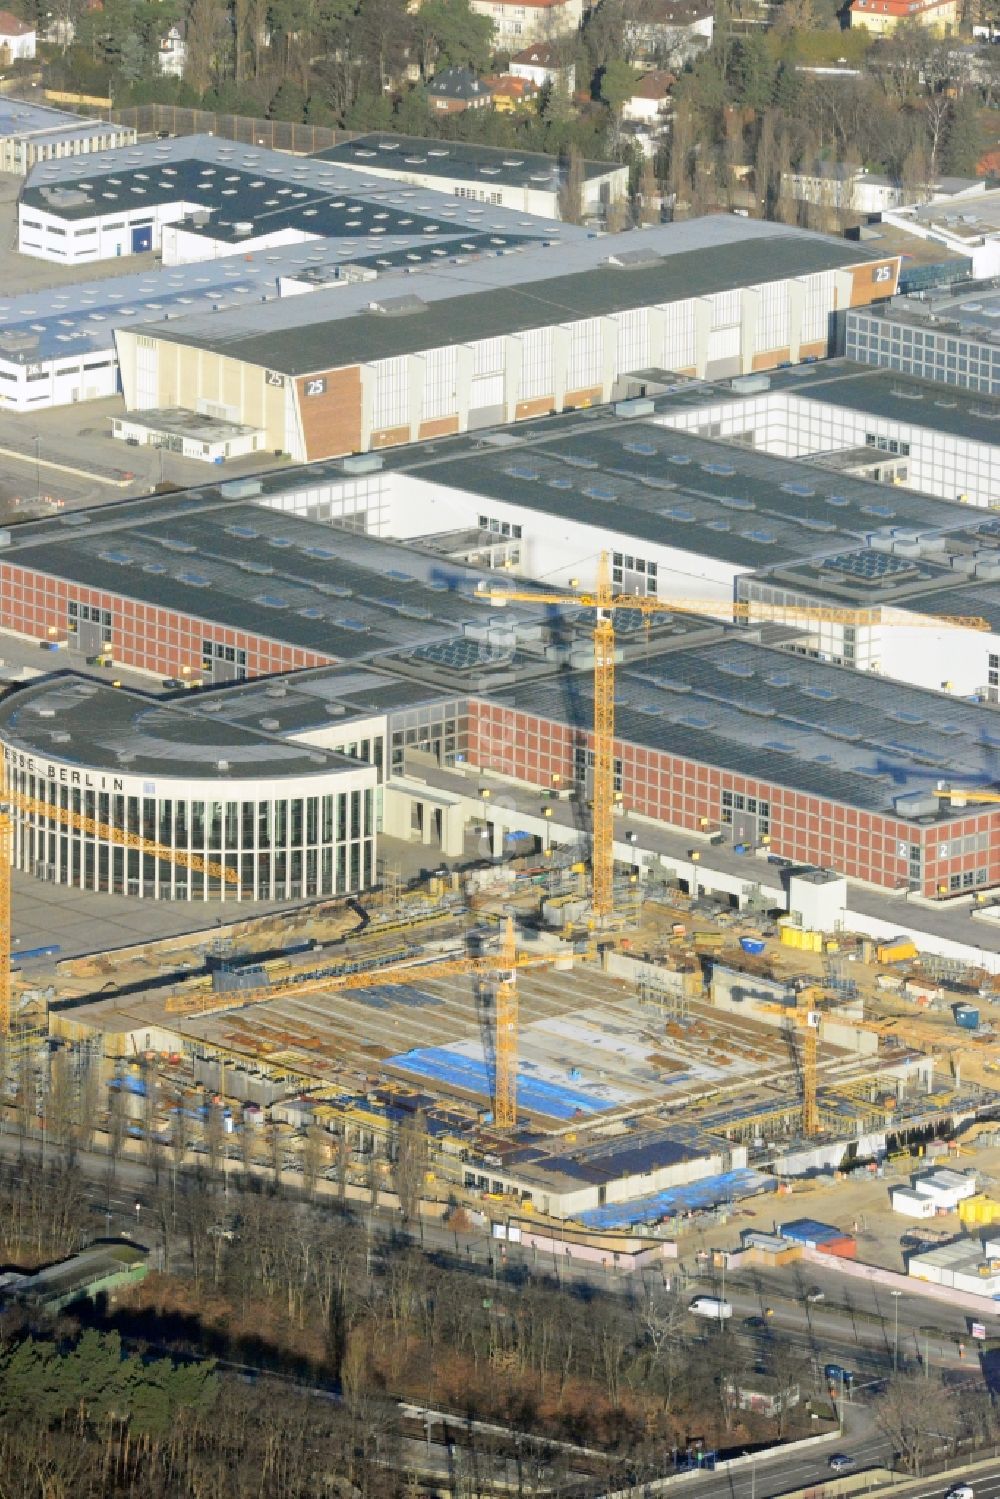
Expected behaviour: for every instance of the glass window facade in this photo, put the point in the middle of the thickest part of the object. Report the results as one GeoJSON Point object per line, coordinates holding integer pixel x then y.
{"type": "Point", "coordinates": [225, 845]}
{"type": "Point", "coordinates": [927, 353]}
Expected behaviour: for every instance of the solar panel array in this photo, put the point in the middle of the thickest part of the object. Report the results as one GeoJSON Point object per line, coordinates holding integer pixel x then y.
{"type": "Point", "coordinates": [763, 713]}
{"type": "Point", "coordinates": [869, 565]}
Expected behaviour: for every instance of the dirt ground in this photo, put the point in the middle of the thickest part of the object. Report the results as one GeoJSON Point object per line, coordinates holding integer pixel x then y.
{"type": "Point", "coordinates": [863, 1203]}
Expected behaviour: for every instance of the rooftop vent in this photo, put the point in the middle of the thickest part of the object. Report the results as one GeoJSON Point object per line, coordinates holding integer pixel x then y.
{"type": "Point", "coordinates": [632, 260]}
{"type": "Point", "coordinates": [402, 306]}
{"type": "Point", "coordinates": [18, 341]}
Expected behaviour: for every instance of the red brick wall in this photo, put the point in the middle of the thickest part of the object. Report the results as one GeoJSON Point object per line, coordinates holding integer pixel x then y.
{"type": "Point", "coordinates": [142, 635]}
{"type": "Point", "coordinates": [680, 791]}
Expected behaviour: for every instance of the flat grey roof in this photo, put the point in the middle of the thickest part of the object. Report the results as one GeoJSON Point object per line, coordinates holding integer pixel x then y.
{"type": "Point", "coordinates": [69, 321]}
{"type": "Point", "coordinates": [972, 311]}
{"type": "Point", "coordinates": [757, 711]}
{"type": "Point", "coordinates": [19, 117]}
{"type": "Point", "coordinates": [250, 568]}
{"type": "Point", "coordinates": [536, 290]}
{"type": "Point", "coordinates": [178, 421]}
{"type": "Point", "coordinates": [656, 484]}
{"type": "Point", "coordinates": [326, 694]}
{"type": "Point", "coordinates": [78, 721]}
{"type": "Point", "coordinates": [261, 190]}
{"type": "Point", "coordinates": [456, 160]}
{"type": "Point", "coordinates": [891, 239]}
{"type": "Point", "coordinates": [935, 574]}
{"type": "Point", "coordinates": [900, 398]}
{"type": "Point", "coordinates": [968, 219]}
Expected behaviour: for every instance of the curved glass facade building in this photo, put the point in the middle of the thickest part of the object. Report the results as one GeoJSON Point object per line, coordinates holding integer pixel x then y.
{"type": "Point", "coordinates": [161, 801]}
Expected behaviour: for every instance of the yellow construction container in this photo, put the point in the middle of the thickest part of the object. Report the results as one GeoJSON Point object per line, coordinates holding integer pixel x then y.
{"type": "Point", "coordinates": [704, 941]}
{"type": "Point", "coordinates": [979, 1210]}
{"type": "Point", "coordinates": [900, 951]}
{"type": "Point", "coordinates": [801, 938]}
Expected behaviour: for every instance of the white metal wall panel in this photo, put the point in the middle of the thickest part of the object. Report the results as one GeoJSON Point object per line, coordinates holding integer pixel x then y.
{"type": "Point", "coordinates": [819, 305]}
{"type": "Point", "coordinates": [439, 383]}
{"type": "Point", "coordinates": [586, 355]}
{"type": "Point", "coordinates": [772, 316]}
{"type": "Point", "coordinates": [390, 393]}
{"type": "Point", "coordinates": [633, 339]}
{"type": "Point", "coordinates": [488, 353]}
{"type": "Point", "coordinates": [725, 308]}
{"type": "Point", "coordinates": [486, 390]}
{"type": "Point", "coordinates": [146, 373]}
{"type": "Point", "coordinates": [723, 343]}
{"type": "Point", "coordinates": [536, 363]}
{"type": "Point", "coordinates": [678, 336]}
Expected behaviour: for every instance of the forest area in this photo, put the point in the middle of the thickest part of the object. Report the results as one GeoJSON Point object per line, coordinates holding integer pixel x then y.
{"type": "Point", "coordinates": [144, 1398]}
{"type": "Point", "coordinates": [743, 113]}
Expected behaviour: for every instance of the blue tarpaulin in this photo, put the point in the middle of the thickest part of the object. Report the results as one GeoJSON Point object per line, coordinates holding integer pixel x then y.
{"type": "Point", "coordinates": [696, 1196]}
{"type": "Point", "coordinates": [536, 1095]}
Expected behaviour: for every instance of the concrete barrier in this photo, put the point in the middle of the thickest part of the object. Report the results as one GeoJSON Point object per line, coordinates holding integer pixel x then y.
{"type": "Point", "coordinates": [893, 1280]}
{"type": "Point", "coordinates": [864, 1481]}
{"type": "Point", "coordinates": [889, 1481]}
{"type": "Point", "coordinates": [766, 1455]}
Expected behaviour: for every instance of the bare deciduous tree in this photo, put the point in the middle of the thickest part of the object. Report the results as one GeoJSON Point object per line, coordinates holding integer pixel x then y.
{"type": "Point", "coordinates": [917, 1415]}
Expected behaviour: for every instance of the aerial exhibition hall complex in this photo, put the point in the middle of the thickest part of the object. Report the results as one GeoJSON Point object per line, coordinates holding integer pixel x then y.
{"type": "Point", "coordinates": [547, 683]}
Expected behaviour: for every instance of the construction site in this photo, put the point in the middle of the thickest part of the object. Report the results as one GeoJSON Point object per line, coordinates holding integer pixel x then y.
{"type": "Point", "coordinates": [684, 1057]}
{"type": "Point", "coordinates": [628, 904]}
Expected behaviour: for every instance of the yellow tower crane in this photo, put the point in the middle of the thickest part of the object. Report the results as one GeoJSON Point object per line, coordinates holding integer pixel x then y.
{"type": "Point", "coordinates": [962, 796]}
{"type": "Point", "coordinates": [604, 601]}
{"type": "Point", "coordinates": [76, 820]}
{"type": "Point", "coordinates": [807, 1022]}
{"type": "Point", "coordinates": [500, 969]}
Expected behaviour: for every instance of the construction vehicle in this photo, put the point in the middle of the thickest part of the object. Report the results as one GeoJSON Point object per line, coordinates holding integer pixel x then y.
{"type": "Point", "coordinates": [604, 601]}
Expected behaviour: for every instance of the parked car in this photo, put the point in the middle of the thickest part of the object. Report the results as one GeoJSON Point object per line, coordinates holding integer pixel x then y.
{"type": "Point", "coordinates": [840, 1462]}
{"type": "Point", "coordinates": [961, 1491]}
{"type": "Point", "coordinates": [815, 1293]}
{"type": "Point", "coordinates": [711, 1306]}
{"type": "Point", "coordinates": [837, 1374]}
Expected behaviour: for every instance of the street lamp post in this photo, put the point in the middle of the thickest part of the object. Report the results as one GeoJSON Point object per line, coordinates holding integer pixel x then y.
{"type": "Point", "coordinates": [895, 1330]}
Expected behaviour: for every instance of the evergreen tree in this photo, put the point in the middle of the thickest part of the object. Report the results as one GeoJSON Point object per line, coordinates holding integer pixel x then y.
{"type": "Point", "coordinates": [449, 34]}
{"type": "Point", "coordinates": [964, 140]}
{"type": "Point", "coordinates": [753, 72]}
{"type": "Point", "coordinates": [289, 103]}
{"type": "Point", "coordinates": [787, 89]}
{"type": "Point", "coordinates": [617, 83]}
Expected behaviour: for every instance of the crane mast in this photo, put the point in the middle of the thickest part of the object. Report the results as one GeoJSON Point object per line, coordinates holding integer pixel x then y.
{"type": "Point", "coordinates": [603, 856]}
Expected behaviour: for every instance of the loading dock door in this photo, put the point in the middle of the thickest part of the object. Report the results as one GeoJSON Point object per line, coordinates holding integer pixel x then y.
{"type": "Point", "coordinates": [89, 638]}
{"type": "Point", "coordinates": [142, 239]}
{"type": "Point", "coordinates": [744, 829]}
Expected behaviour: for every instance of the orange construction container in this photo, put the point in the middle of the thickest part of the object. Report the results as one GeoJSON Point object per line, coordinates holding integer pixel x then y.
{"type": "Point", "coordinates": [846, 1248]}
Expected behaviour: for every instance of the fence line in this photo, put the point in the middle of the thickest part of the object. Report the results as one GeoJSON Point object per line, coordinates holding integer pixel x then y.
{"type": "Point", "coordinates": [174, 119]}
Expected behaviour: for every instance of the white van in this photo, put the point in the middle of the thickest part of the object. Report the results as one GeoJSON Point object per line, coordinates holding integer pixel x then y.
{"type": "Point", "coordinates": [710, 1306]}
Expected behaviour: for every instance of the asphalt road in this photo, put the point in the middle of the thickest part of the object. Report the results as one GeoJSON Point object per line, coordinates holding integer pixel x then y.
{"type": "Point", "coordinates": [833, 1321]}
{"type": "Point", "coordinates": [776, 1472]}
{"type": "Point", "coordinates": [985, 1485]}
{"type": "Point", "coordinates": [828, 1332]}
